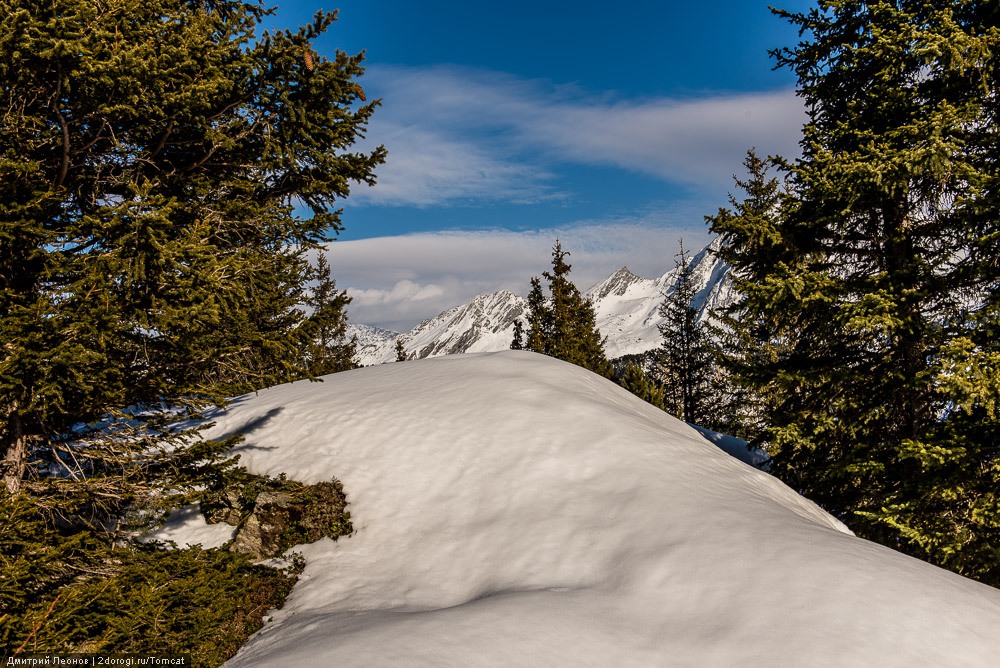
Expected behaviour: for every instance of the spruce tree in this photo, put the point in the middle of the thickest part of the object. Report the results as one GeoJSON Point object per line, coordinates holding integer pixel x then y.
{"type": "Point", "coordinates": [752, 339]}
{"type": "Point", "coordinates": [564, 326]}
{"type": "Point", "coordinates": [400, 351]}
{"type": "Point", "coordinates": [537, 337]}
{"type": "Point", "coordinates": [163, 173]}
{"type": "Point", "coordinates": [326, 346]}
{"type": "Point", "coordinates": [879, 278]}
{"type": "Point", "coordinates": [685, 361]}
{"type": "Point", "coordinates": [517, 342]}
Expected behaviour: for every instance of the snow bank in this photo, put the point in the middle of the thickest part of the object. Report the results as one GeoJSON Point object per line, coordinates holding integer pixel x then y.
{"type": "Point", "coordinates": [514, 510]}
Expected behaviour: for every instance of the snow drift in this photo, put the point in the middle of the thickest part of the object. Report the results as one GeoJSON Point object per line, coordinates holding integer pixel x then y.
{"type": "Point", "coordinates": [514, 510]}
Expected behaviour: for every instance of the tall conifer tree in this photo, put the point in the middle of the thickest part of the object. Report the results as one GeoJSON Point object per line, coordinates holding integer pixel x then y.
{"type": "Point", "coordinates": [326, 348]}
{"type": "Point", "coordinates": [565, 325]}
{"type": "Point", "coordinates": [753, 337]}
{"type": "Point", "coordinates": [883, 264]}
{"type": "Point", "coordinates": [685, 359]}
{"type": "Point", "coordinates": [162, 173]}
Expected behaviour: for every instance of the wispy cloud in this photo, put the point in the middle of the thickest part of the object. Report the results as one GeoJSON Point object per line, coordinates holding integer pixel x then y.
{"type": "Point", "coordinates": [457, 134]}
{"type": "Point", "coordinates": [431, 167]}
{"type": "Point", "coordinates": [404, 290]}
{"type": "Point", "coordinates": [398, 281]}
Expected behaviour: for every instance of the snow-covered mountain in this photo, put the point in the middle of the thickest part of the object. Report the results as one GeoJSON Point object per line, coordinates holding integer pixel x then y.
{"type": "Point", "coordinates": [372, 342]}
{"type": "Point", "coordinates": [511, 509]}
{"type": "Point", "coordinates": [627, 308]}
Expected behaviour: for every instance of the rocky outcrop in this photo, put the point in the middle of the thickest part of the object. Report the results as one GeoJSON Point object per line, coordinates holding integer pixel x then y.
{"type": "Point", "coordinates": [273, 514]}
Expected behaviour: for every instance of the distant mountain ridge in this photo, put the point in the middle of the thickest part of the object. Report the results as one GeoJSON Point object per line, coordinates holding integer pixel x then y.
{"type": "Point", "coordinates": [626, 305]}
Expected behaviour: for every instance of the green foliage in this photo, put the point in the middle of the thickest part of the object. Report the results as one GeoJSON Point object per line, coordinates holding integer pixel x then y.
{"type": "Point", "coordinates": [870, 287]}
{"type": "Point", "coordinates": [400, 351]}
{"type": "Point", "coordinates": [638, 382]}
{"type": "Point", "coordinates": [685, 361]}
{"type": "Point", "coordinates": [84, 595]}
{"type": "Point", "coordinates": [518, 341]}
{"type": "Point", "coordinates": [753, 337]}
{"type": "Point", "coordinates": [565, 325]}
{"type": "Point", "coordinates": [324, 332]}
{"type": "Point", "coordinates": [164, 172]}
{"type": "Point", "coordinates": [152, 156]}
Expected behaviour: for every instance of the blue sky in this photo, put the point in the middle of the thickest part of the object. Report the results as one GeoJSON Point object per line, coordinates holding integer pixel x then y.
{"type": "Point", "coordinates": [613, 126]}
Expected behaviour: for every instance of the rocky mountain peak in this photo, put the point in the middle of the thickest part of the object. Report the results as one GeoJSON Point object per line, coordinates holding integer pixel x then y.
{"type": "Point", "coordinates": [615, 284]}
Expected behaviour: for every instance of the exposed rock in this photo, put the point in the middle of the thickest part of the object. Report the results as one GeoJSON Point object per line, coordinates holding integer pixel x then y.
{"type": "Point", "coordinates": [272, 515]}
{"type": "Point", "coordinates": [228, 508]}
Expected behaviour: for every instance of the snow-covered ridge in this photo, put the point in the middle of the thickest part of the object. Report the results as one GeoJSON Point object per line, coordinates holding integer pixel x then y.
{"type": "Point", "coordinates": [484, 324]}
{"type": "Point", "coordinates": [514, 510]}
{"type": "Point", "coordinates": [626, 306]}
{"type": "Point", "coordinates": [373, 343]}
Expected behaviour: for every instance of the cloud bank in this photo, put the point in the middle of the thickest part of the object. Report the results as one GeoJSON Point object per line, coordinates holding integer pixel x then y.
{"type": "Point", "coordinates": [457, 134]}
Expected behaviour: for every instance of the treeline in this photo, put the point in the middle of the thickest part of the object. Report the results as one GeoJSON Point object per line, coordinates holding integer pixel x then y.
{"type": "Point", "coordinates": [681, 376]}
{"type": "Point", "coordinates": [863, 349]}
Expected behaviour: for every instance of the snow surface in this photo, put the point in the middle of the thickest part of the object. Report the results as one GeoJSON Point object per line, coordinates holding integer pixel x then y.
{"type": "Point", "coordinates": [514, 510]}
{"type": "Point", "coordinates": [187, 527]}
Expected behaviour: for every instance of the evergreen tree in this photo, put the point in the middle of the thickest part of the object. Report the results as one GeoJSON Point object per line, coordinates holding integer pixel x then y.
{"type": "Point", "coordinates": [565, 325]}
{"type": "Point", "coordinates": [638, 382]}
{"type": "Point", "coordinates": [400, 351]}
{"type": "Point", "coordinates": [153, 156]}
{"type": "Point", "coordinates": [156, 160]}
{"type": "Point", "coordinates": [326, 347]}
{"type": "Point", "coordinates": [537, 318]}
{"type": "Point", "coordinates": [752, 343]}
{"type": "Point", "coordinates": [879, 278]}
{"type": "Point", "coordinates": [163, 173]}
{"type": "Point", "coordinates": [685, 359]}
{"type": "Point", "coordinates": [517, 343]}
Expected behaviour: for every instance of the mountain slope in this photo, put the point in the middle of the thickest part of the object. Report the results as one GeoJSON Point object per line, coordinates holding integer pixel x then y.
{"type": "Point", "coordinates": [485, 324]}
{"type": "Point", "coordinates": [626, 306]}
{"type": "Point", "coordinates": [514, 510]}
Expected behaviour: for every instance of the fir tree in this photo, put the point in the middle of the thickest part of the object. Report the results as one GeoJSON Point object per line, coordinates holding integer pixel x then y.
{"type": "Point", "coordinates": [752, 342]}
{"type": "Point", "coordinates": [327, 349]}
{"type": "Point", "coordinates": [685, 359]}
{"type": "Point", "coordinates": [879, 281]}
{"type": "Point", "coordinates": [537, 338]}
{"type": "Point", "coordinates": [151, 248]}
{"type": "Point", "coordinates": [565, 325]}
{"type": "Point", "coordinates": [164, 173]}
{"type": "Point", "coordinates": [517, 343]}
{"type": "Point", "coordinates": [400, 350]}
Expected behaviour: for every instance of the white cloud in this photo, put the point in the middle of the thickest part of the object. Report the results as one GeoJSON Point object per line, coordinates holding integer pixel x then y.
{"type": "Point", "coordinates": [457, 134]}
{"type": "Point", "coordinates": [427, 167]}
{"type": "Point", "coordinates": [698, 142]}
{"type": "Point", "coordinates": [402, 291]}
{"type": "Point", "coordinates": [398, 281]}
